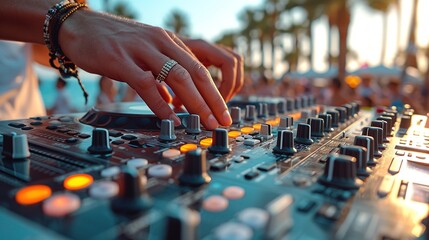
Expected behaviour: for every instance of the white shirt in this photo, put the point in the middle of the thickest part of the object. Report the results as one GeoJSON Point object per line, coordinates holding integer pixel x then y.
{"type": "Point", "coordinates": [19, 90]}
{"type": "Point", "coordinates": [62, 103]}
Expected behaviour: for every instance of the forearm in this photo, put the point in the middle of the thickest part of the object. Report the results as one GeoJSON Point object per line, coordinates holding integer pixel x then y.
{"type": "Point", "coordinates": [22, 20]}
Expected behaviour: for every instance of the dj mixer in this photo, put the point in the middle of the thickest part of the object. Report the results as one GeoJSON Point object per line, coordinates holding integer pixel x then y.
{"type": "Point", "coordinates": [285, 169]}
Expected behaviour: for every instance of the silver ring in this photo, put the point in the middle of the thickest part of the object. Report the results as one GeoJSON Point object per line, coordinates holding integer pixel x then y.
{"type": "Point", "coordinates": [165, 70]}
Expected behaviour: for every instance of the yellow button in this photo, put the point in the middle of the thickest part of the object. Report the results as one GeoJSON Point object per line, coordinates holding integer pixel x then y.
{"type": "Point", "coordinates": [33, 194]}
{"type": "Point", "coordinates": [234, 134]}
{"type": "Point", "coordinates": [206, 142]}
{"type": "Point", "coordinates": [247, 130]}
{"type": "Point", "coordinates": [188, 147]}
{"type": "Point", "coordinates": [257, 126]}
{"type": "Point", "coordinates": [78, 181]}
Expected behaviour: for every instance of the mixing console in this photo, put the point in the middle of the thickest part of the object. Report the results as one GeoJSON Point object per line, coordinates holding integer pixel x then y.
{"type": "Point", "coordinates": [286, 168]}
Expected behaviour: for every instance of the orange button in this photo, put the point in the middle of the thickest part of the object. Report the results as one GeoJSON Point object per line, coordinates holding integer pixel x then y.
{"type": "Point", "coordinates": [188, 147]}
{"type": "Point", "coordinates": [234, 134]}
{"type": "Point", "coordinates": [257, 126]}
{"type": "Point", "coordinates": [78, 181]}
{"type": "Point", "coordinates": [273, 122]}
{"type": "Point", "coordinates": [33, 194]}
{"type": "Point", "coordinates": [61, 204]}
{"type": "Point", "coordinates": [247, 130]}
{"type": "Point", "coordinates": [206, 142]}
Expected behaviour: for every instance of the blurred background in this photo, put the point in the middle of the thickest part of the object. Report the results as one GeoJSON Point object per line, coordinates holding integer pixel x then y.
{"type": "Point", "coordinates": [374, 51]}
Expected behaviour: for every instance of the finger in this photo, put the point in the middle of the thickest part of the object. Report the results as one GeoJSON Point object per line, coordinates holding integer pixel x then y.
{"type": "Point", "coordinates": [182, 85]}
{"type": "Point", "coordinates": [145, 85]}
{"type": "Point", "coordinates": [240, 71]}
{"type": "Point", "coordinates": [203, 83]}
{"type": "Point", "coordinates": [181, 44]}
{"type": "Point", "coordinates": [162, 89]}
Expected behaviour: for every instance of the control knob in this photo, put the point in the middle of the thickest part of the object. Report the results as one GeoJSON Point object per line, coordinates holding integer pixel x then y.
{"type": "Point", "coordinates": [303, 134]}
{"type": "Point", "coordinates": [220, 141]}
{"type": "Point", "coordinates": [100, 142]}
{"type": "Point", "coordinates": [194, 169]}
{"type": "Point", "coordinates": [15, 146]}
{"type": "Point", "coordinates": [285, 143]}
{"type": "Point", "coordinates": [360, 153]}
{"type": "Point", "coordinates": [317, 126]}
{"type": "Point", "coordinates": [250, 113]}
{"type": "Point", "coordinates": [193, 124]}
{"type": "Point", "coordinates": [340, 172]}
{"type": "Point", "coordinates": [368, 143]}
{"type": "Point", "coordinates": [236, 115]}
{"type": "Point", "coordinates": [167, 130]}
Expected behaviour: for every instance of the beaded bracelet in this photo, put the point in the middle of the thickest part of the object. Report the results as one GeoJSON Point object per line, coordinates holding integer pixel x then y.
{"type": "Point", "coordinates": [53, 21]}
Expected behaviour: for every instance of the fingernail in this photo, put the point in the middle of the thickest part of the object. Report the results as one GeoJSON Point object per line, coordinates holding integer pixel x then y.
{"type": "Point", "coordinates": [226, 117]}
{"type": "Point", "coordinates": [212, 122]}
{"type": "Point", "coordinates": [175, 119]}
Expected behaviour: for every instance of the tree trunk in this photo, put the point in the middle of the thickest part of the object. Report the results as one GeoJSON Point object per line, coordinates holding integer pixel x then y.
{"type": "Point", "coordinates": [343, 28]}
{"type": "Point", "coordinates": [329, 49]}
{"type": "Point", "coordinates": [273, 53]}
{"type": "Point", "coordinates": [310, 38]}
{"type": "Point", "coordinates": [249, 52]}
{"type": "Point", "coordinates": [398, 34]}
{"type": "Point", "coordinates": [296, 59]}
{"type": "Point", "coordinates": [384, 39]}
{"type": "Point", "coordinates": [261, 45]}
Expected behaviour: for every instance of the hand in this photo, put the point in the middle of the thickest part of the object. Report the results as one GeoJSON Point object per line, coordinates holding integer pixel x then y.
{"type": "Point", "coordinates": [135, 53]}
{"type": "Point", "coordinates": [229, 62]}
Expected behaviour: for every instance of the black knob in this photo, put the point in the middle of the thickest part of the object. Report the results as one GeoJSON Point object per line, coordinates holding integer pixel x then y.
{"type": "Point", "coordinates": [390, 114]}
{"type": "Point", "coordinates": [304, 101]}
{"type": "Point", "coordinates": [220, 141]}
{"type": "Point", "coordinates": [131, 198]}
{"type": "Point", "coordinates": [305, 114]}
{"type": "Point", "coordinates": [327, 119]}
{"type": "Point", "coordinates": [297, 103]}
{"type": "Point", "coordinates": [281, 106]}
{"type": "Point", "coordinates": [182, 224]}
{"type": "Point", "coordinates": [286, 123]}
{"type": "Point", "coordinates": [343, 114]}
{"type": "Point", "coordinates": [285, 144]}
{"type": "Point", "coordinates": [263, 110]}
{"type": "Point", "coordinates": [377, 134]}
{"type": "Point", "coordinates": [349, 110]}
{"type": "Point", "coordinates": [100, 142]}
{"type": "Point", "coordinates": [317, 126]}
{"type": "Point", "coordinates": [335, 118]}
{"type": "Point", "coordinates": [368, 143]}
{"type": "Point", "coordinates": [236, 115]}
{"type": "Point", "coordinates": [194, 169]}
{"type": "Point", "coordinates": [290, 104]}
{"type": "Point", "coordinates": [272, 109]}
{"type": "Point", "coordinates": [250, 113]}
{"type": "Point", "coordinates": [389, 122]}
{"type": "Point", "coordinates": [383, 125]}
{"type": "Point", "coordinates": [303, 134]}
{"type": "Point", "coordinates": [405, 122]}
{"type": "Point", "coordinates": [167, 130]}
{"type": "Point", "coordinates": [356, 108]}
{"type": "Point", "coordinates": [311, 100]}
{"type": "Point", "coordinates": [15, 146]}
{"type": "Point", "coordinates": [361, 155]}
{"type": "Point", "coordinates": [193, 124]}
{"type": "Point", "coordinates": [340, 172]}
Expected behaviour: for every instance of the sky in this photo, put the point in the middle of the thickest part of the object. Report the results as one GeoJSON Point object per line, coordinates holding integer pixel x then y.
{"type": "Point", "coordinates": [210, 18]}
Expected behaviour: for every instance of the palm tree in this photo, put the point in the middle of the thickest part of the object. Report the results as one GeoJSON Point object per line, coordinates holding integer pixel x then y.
{"type": "Point", "coordinates": [121, 9]}
{"type": "Point", "coordinates": [178, 23]}
{"type": "Point", "coordinates": [248, 19]}
{"type": "Point", "coordinates": [296, 32]}
{"type": "Point", "coordinates": [383, 6]}
{"type": "Point", "coordinates": [228, 39]}
{"type": "Point", "coordinates": [272, 13]}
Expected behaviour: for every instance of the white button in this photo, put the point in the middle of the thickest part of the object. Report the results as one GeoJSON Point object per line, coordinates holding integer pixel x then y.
{"type": "Point", "coordinates": [171, 153]}
{"type": "Point", "coordinates": [110, 172]}
{"type": "Point", "coordinates": [253, 217]}
{"type": "Point", "coordinates": [247, 136]}
{"type": "Point", "coordinates": [61, 204]}
{"type": "Point", "coordinates": [251, 142]}
{"type": "Point", "coordinates": [239, 139]}
{"type": "Point", "coordinates": [104, 189]}
{"type": "Point", "coordinates": [233, 192]}
{"type": "Point", "coordinates": [137, 162]}
{"type": "Point", "coordinates": [215, 203]}
{"type": "Point", "coordinates": [160, 171]}
{"type": "Point", "coordinates": [233, 231]}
